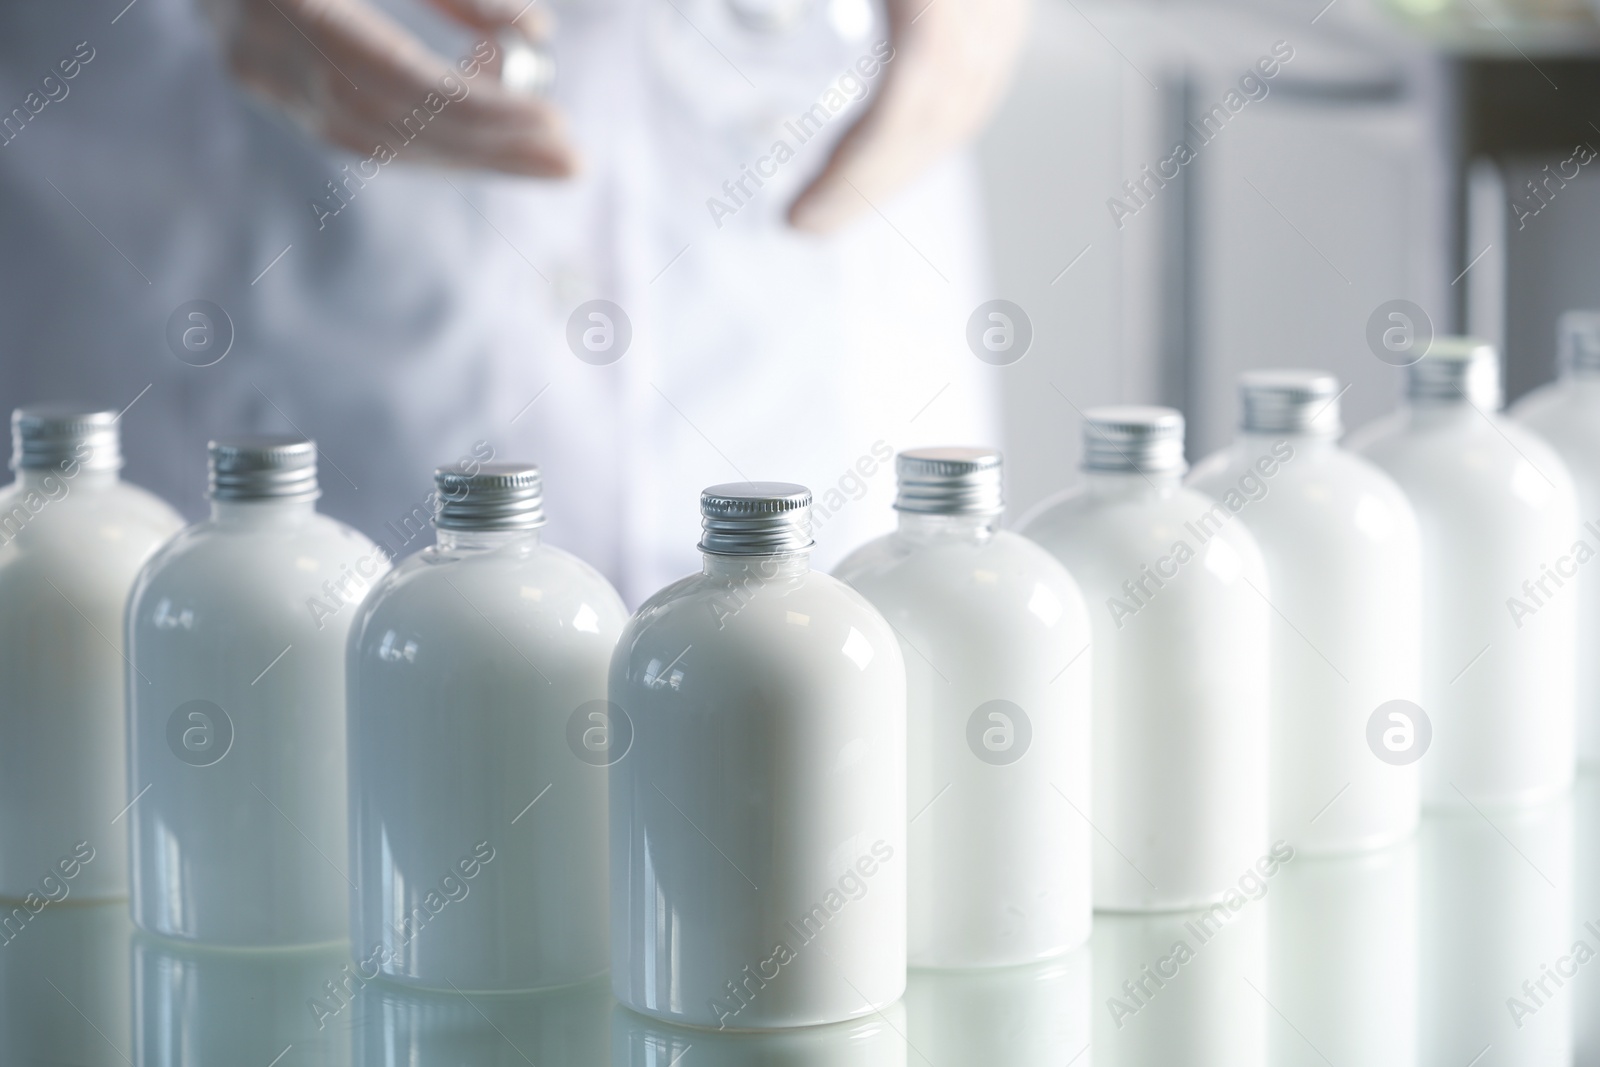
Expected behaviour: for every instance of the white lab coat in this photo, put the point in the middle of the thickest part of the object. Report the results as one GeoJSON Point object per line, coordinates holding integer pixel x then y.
{"type": "Point", "coordinates": [429, 312]}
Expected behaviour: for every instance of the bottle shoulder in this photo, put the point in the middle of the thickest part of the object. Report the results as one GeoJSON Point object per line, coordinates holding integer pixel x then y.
{"type": "Point", "coordinates": [1001, 570]}
{"type": "Point", "coordinates": [221, 560]}
{"type": "Point", "coordinates": [434, 590]}
{"type": "Point", "coordinates": [1318, 493]}
{"type": "Point", "coordinates": [756, 614]}
{"type": "Point", "coordinates": [1477, 460]}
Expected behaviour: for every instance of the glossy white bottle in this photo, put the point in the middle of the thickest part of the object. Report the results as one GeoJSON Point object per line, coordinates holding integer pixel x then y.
{"type": "Point", "coordinates": [479, 741]}
{"type": "Point", "coordinates": [995, 638]}
{"type": "Point", "coordinates": [1498, 514]}
{"type": "Point", "coordinates": [72, 538]}
{"type": "Point", "coordinates": [1566, 413]}
{"type": "Point", "coordinates": [1177, 595]}
{"type": "Point", "coordinates": [1343, 556]}
{"type": "Point", "coordinates": [758, 824]}
{"type": "Point", "coordinates": [236, 634]}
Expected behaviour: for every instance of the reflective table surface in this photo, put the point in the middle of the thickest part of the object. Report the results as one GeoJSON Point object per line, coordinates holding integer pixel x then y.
{"type": "Point", "coordinates": [1476, 944]}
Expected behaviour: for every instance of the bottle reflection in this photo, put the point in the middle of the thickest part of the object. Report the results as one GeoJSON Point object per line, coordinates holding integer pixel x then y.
{"type": "Point", "coordinates": [64, 984]}
{"type": "Point", "coordinates": [1181, 988]}
{"type": "Point", "coordinates": [1030, 1016]}
{"type": "Point", "coordinates": [196, 1007]}
{"type": "Point", "coordinates": [879, 1040]}
{"type": "Point", "coordinates": [1497, 925]}
{"type": "Point", "coordinates": [401, 1027]}
{"type": "Point", "coordinates": [1343, 969]}
{"type": "Point", "coordinates": [1586, 884]}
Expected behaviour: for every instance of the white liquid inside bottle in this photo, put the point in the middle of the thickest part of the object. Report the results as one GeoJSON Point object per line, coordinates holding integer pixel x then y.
{"type": "Point", "coordinates": [995, 638]}
{"type": "Point", "coordinates": [758, 825]}
{"type": "Point", "coordinates": [1497, 511]}
{"type": "Point", "coordinates": [1566, 413]}
{"type": "Point", "coordinates": [72, 538]}
{"type": "Point", "coordinates": [479, 745]}
{"type": "Point", "coordinates": [1342, 553]}
{"type": "Point", "coordinates": [236, 635]}
{"type": "Point", "coordinates": [1177, 596]}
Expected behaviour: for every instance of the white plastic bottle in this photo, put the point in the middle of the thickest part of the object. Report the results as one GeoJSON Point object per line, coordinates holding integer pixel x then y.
{"type": "Point", "coordinates": [479, 741]}
{"type": "Point", "coordinates": [1339, 539]}
{"type": "Point", "coordinates": [72, 538]}
{"type": "Point", "coordinates": [1566, 413]}
{"type": "Point", "coordinates": [1177, 595]}
{"type": "Point", "coordinates": [995, 636]}
{"type": "Point", "coordinates": [1498, 516]}
{"type": "Point", "coordinates": [758, 825]}
{"type": "Point", "coordinates": [236, 634]}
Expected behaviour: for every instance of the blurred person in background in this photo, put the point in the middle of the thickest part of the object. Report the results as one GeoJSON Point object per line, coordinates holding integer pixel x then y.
{"type": "Point", "coordinates": [381, 244]}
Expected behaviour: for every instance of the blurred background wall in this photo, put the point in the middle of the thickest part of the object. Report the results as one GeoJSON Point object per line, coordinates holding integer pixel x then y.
{"type": "Point", "coordinates": [1381, 163]}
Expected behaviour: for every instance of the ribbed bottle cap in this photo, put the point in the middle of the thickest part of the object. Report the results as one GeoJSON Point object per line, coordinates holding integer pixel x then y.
{"type": "Point", "coordinates": [949, 481]}
{"type": "Point", "coordinates": [267, 467]}
{"type": "Point", "coordinates": [1289, 402]}
{"type": "Point", "coordinates": [755, 518]}
{"type": "Point", "coordinates": [500, 496]}
{"type": "Point", "coordinates": [1148, 440]}
{"type": "Point", "coordinates": [1456, 370]}
{"type": "Point", "coordinates": [1578, 345]}
{"type": "Point", "coordinates": [48, 435]}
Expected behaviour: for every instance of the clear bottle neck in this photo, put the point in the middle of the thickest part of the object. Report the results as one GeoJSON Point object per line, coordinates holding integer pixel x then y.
{"type": "Point", "coordinates": [48, 480]}
{"type": "Point", "coordinates": [1434, 413]}
{"type": "Point", "coordinates": [1133, 484]}
{"type": "Point", "coordinates": [921, 528]}
{"type": "Point", "coordinates": [1263, 444]}
{"type": "Point", "coordinates": [262, 512]}
{"type": "Point", "coordinates": [781, 564]}
{"type": "Point", "coordinates": [465, 541]}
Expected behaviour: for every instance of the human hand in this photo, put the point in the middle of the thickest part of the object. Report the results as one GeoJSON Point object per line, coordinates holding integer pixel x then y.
{"type": "Point", "coordinates": [351, 75]}
{"type": "Point", "coordinates": [952, 60]}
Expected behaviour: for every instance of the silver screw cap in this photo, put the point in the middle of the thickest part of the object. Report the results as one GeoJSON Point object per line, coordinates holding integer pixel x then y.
{"type": "Point", "coordinates": [265, 467]}
{"type": "Point", "coordinates": [499, 496]}
{"type": "Point", "coordinates": [755, 519]}
{"type": "Point", "coordinates": [949, 481]}
{"type": "Point", "coordinates": [1289, 402]}
{"type": "Point", "coordinates": [46, 436]}
{"type": "Point", "coordinates": [1145, 440]}
{"type": "Point", "coordinates": [1456, 370]}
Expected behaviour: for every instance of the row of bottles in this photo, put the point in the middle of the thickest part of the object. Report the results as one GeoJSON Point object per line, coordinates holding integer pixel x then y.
{"type": "Point", "coordinates": [761, 797]}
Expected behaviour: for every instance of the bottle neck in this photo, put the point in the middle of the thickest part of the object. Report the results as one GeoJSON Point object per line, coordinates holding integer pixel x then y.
{"type": "Point", "coordinates": [1445, 413]}
{"type": "Point", "coordinates": [482, 540]}
{"type": "Point", "coordinates": [262, 512]}
{"type": "Point", "coordinates": [1130, 484]}
{"type": "Point", "coordinates": [971, 529]}
{"type": "Point", "coordinates": [48, 480]}
{"type": "Point", "coordinates": [766, 567]}
{"type": "Point", "coordinates": [1253, 444]}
